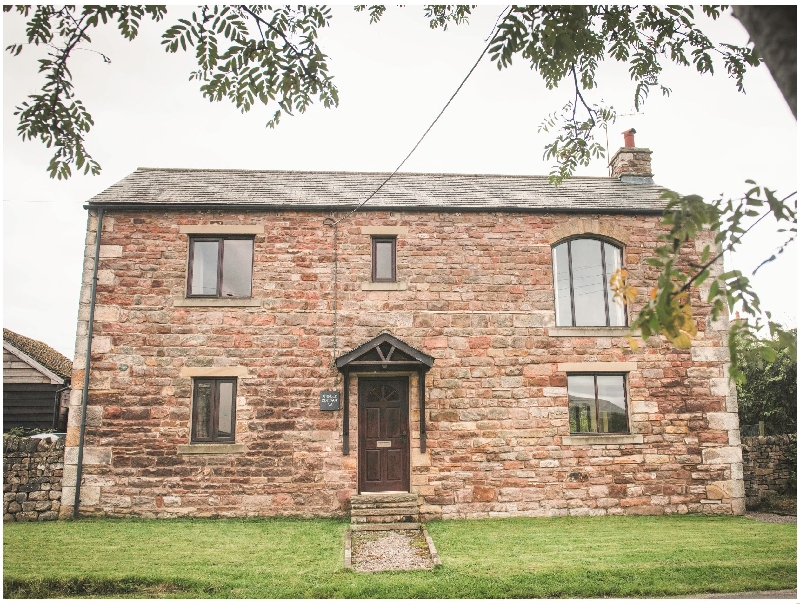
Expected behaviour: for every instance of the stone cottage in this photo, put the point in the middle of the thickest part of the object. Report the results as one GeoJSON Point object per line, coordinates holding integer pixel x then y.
{"type": "Point", "coordinates": [260, 348]}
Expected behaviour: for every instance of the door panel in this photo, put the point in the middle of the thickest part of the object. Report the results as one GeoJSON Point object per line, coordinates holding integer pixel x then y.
{"type": "Point", "coordinates": [383, 434]}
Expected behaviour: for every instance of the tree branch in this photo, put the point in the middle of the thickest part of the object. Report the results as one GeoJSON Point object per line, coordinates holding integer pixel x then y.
{"type": "Point", "coordinates": [727, 248]}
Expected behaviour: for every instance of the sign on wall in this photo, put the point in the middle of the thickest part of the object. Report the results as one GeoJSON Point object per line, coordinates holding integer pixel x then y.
{"type": "Point", "coordinates": [329, 400]}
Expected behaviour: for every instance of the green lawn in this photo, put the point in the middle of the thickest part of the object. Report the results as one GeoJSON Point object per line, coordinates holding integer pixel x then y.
{"type": "Point", "coordinates": [509, 558]}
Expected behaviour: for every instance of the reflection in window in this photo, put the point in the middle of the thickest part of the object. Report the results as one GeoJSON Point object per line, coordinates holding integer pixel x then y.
{"type": "Point", "coordinates": [384, 258]}
{"type": "Point", "coordinates": [220, 267]}
{"type": "Point", "coordinates": [597, 404]}
{"type": "Point", "coordinates": [582, 269]}
{"type": "Point", "coordinates": [214, 410]}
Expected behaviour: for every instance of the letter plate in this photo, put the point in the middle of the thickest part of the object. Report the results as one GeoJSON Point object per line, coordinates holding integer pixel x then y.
{"type": "Point", "coordinates": [384, 444]}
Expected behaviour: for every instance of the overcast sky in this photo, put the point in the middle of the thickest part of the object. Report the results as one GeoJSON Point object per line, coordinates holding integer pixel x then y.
{"type": "Point", "coordinates": [393, 79]}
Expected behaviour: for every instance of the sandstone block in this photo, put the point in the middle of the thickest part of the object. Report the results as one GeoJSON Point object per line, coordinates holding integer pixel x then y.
{"type": "Point", "coordinates": [91, 456]}
{"type": "Point", "coordinates": [723, 386]}
{"type": "Point", "coordinates": [723, 421]}
{"type": "Point", "coordinates": [644, 407]}
{"type": "Point", "coordinates": [707, 353]}
{"type": "Point", "coordinates": [722, 455]}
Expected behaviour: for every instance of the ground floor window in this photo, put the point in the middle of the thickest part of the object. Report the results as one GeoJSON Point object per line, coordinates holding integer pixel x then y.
{"type": "Point", "coordinates": [597, 404]}
{"type": "Point", "coordinates": [214, 410]}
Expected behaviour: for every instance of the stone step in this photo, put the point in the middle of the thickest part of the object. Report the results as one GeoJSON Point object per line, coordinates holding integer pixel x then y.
{"type": "Point", "coordinates": [382, 506]}
{"type": "Point", "coordinates": [388, 526]}
{"type": "Point", "coordinates": [385, 512]}
{"type": "Point", "coordinates": [376, 498]}
{"type": "Point", "coordinates": [384, 519]}
{"type": "Point", "coordinates": [384, 509]}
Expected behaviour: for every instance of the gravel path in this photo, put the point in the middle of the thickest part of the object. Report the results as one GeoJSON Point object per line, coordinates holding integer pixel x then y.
{"type": "Point", "coordinates": [389, 550]}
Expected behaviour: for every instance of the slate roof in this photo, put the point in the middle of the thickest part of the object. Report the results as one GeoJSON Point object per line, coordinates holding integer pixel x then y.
{"type": "Point", "coordinates": [40, 352]}
{"type": "Point", "coordinates": [337, 191]}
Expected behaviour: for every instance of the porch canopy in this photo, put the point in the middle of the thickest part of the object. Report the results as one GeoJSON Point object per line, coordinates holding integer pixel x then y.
{"type": "Point", "coordinates": [383, 353]}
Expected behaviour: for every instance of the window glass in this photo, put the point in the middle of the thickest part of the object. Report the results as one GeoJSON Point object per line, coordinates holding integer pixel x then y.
{"type": "Point", "coordinates": [237, 268]}
{"type": "Point", "coordinates": [561, 276]}
{"type": "Point", "coordinates": [597, 404]}
{"type": "Point", "coordinates": [384, 260]}
{"type": "Point", "coordinates": [587, 283]}
{"type": "Point", "coordinates": [214, 410]}
{"type": "Point", "coordinates": [204, 268]}
{"type": "Point", "coordinates": [582, 417]}
{"type": "Point", "coordinates": [226, 402]}
{"type": "Point", "coordinates": [616, 311]}
{"type": "Point", "coordinates": [582, 269]}
{"type": "Point", "coordinates": [234, 279]}
{"type": "Point", "coordinates": [611, 404]}
{"type": "Point", "coordinates": [203, 393]}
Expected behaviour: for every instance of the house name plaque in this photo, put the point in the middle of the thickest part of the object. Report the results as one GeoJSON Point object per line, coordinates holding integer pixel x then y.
{"type": "Point", "coordinates": [329, 400]}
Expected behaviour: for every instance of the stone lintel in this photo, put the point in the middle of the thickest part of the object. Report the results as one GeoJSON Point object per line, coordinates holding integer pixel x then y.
{"type": "Point", "coordinates": [213, 372]}
{"type": "Point", "coordinates": [221, 229]}
{"type": "Point", "coordinates": [384, 230]}
{"type": "Point", "coordinates": [598, 367]}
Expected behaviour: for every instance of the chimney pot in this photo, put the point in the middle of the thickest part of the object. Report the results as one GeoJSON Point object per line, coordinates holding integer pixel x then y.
{"type": "Point", "coordinates": [628, 134]}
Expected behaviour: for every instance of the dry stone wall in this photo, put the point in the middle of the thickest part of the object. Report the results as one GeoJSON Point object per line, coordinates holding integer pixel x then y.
{"type": "Point", "coordinates": [770, 466]}
{"type": "Point", "coordinates": [475, 291]}
{"type": "Point", "coordinates": [32, 473]}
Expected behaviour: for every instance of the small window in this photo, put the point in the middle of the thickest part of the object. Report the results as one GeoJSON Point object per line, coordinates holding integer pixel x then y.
{"type": "Point", "coordinates": [384, 257]}
{"type": "Point", "coordinates": [597, 404]}
{"type": "Point", "coordinates": [214, 410]}
{"type": "Point", "coordinates": [582, 269]}
{"type": "Point", "coordinates": [220, 267]}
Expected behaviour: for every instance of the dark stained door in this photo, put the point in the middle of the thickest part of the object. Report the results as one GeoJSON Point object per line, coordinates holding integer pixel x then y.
{"type": "Point", "coordinates": [383, 439]}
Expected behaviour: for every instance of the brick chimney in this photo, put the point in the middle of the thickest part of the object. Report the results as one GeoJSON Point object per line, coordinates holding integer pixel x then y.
{"type": "Point", "coordinates": [631, 163]}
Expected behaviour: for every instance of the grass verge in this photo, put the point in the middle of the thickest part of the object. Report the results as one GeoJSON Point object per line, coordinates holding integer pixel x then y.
{"type": "Point", "coordinates": [498, 558]}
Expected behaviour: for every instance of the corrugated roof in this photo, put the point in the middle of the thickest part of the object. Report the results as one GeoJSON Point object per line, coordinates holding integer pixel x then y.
{"type": "Point", "coordinates": [267, 189]}
{"type": "Point", "coordinates": [40, 352]}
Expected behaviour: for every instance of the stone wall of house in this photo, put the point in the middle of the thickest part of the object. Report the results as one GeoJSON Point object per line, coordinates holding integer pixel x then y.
{"type": "Point", "coordinates": [475, 291]}
{"type": "Point", "coordinates": [770, 466]}
{"type": "Point", "coordinates": [32, 472]}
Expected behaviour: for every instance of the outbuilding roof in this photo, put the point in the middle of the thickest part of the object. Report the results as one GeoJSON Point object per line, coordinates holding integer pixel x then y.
{"type": "Point", "coordinates": [40, 352]}
{"type": "Point", "coordinates": [337, 191]}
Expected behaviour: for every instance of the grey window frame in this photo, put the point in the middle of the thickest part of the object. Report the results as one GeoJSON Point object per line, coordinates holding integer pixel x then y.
{"type": "Point", "coordinates": [220, 239]}
{"type": "Point", "coordinates": [568, 243]}
{"type": "Point", "coordinates": [384, 239]}
{"type": "Point", "coordinates": [214, 415]}
{"type": "Point", "coordinates": [595, 375]}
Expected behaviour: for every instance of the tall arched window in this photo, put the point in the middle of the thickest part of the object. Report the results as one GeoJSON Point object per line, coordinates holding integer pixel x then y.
{"type": "Point", "coordinates": [582, 269]}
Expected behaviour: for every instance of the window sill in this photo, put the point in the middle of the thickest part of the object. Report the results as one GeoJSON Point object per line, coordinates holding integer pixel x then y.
{"type": "Point", "coordinates": [578, 332]}
{"type": "Point", "coordinates": [603, 439]}
{"type": "Point", "coordinates": [211, 449]}
{"type": "Point", "coordinates": [217, 302]}
{"type": "Point", "coordinates": [385, 286]}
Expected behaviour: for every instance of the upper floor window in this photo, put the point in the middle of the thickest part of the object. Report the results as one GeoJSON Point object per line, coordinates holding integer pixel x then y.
{"type": "Point", "coordinates": [214, 410]}
{"type": "Point", "coordinates": [220, 267]}
{"type": "Point", "coordinates": [582, 269]}
{"type": "Point", "coordinates": [384, 258]}
{"type": "Point", "coordinates": [597, 404]}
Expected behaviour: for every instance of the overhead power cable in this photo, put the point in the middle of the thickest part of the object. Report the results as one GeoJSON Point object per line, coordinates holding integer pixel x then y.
{"type": "Point", "coordinates": [332, 223]}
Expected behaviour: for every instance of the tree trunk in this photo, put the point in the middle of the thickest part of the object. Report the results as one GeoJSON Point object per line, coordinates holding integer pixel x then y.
{"type": "Point", "coordinates": [773, 31]}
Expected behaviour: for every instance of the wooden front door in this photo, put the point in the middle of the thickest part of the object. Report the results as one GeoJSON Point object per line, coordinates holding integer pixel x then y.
{"type": "Point", "coordinates": [383, 439]}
